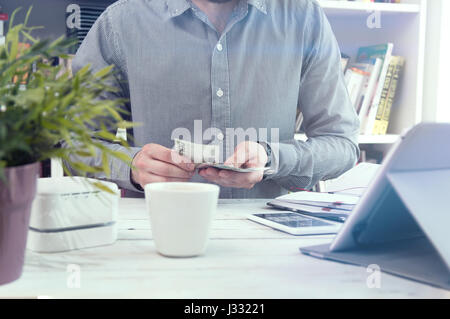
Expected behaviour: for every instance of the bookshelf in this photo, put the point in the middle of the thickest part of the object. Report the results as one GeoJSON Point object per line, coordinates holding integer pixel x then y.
{"type": "Point", "coordinates": [403, 24]}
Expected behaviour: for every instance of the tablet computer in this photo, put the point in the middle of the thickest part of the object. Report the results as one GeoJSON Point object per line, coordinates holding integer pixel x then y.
{"type": "Point", "coordinates": [381, 215]}
{"type": "Point", "coordinates": [401, 223]}
{"type": "Point", "coordinates": [295, 223]}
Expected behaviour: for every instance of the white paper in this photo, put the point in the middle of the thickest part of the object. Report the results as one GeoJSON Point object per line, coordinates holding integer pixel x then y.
{"type": "Point", "coordinates": [321, 197]}
{"type": "Point", "coordinates": [354, 181]}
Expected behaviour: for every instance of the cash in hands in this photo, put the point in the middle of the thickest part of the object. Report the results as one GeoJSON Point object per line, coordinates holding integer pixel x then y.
{"type": "Point", "coordinates": [206, 155]}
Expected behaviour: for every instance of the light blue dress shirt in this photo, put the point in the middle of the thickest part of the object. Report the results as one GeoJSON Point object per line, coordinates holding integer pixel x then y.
{"type": "Point", "coordinates": [274, 57]}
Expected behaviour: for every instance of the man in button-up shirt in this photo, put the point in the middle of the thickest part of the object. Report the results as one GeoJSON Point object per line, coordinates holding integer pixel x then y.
{"type": "Point", "coordinates": [229, 64]}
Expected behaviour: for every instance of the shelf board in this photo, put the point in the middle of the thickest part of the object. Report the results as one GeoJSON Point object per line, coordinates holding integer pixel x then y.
{"type": "Point", "coordinates": [365, 139]}
{"type": "Point", "coordinates": [346, 8]}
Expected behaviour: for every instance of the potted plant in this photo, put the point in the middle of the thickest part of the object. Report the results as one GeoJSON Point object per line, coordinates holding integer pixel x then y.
{"type": "Point", "coordinates": [39, 109]}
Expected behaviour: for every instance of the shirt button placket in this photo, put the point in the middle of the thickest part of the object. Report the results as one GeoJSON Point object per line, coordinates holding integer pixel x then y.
{"type": "Point", "coordinates": [221, 116]}
{"type": "Point", "coordinates": [221, 108]}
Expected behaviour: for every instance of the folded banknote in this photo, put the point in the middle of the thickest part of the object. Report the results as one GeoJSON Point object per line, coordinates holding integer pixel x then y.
{"type": "Point", "coordinates": [206, 155]}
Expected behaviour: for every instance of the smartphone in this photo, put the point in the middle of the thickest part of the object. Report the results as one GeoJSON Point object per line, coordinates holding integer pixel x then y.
{"type": "Point", "coordinates": [296, 223]}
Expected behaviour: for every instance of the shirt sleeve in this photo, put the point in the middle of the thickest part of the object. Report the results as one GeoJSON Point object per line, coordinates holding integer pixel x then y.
{"type": "Point", "coordinates": [100, 49]}
{"type": "Point", "coordinates": [330, 121]}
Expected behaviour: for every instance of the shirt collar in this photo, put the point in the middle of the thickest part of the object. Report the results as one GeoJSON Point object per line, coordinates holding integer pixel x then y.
{"type": "Point", "coordinates": [178, 7]}
{"type": "Point", "coordinates": [259, 4]}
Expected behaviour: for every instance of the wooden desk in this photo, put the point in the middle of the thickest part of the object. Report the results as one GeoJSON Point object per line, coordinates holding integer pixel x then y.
{"type": "Point", "coordinates": [243, 260]}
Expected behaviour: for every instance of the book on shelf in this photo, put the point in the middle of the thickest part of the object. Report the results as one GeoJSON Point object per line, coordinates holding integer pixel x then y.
{"type": "Point", "coordinates": [383, 1]}
{"type": "Point", "coordinates": [383, 52]}
{"type": "Point", "coordinates": [355, 80]}
{"type": "Point", "coordinates": [345, 60]}
{"type": "Point", "coordinates": [384, 113]}
{"type": "Point", "coordinates": [373, 68]}
{"type": "Point", "coordinates": [372, 83]}
{"type": "Point", "coordinates": [383, 98]}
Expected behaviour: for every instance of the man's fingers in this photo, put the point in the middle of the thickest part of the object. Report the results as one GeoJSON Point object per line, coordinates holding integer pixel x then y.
{"type": "Point", "coordinates": [239, 157]}
{"type": "Point", "coordinates": [168, 155]}
{"type": "Point", "coordinates": [211, 172]}
{"type": "Point", "coordinates": [254, 162]}
{"type": "Point", "coordinates": [168, 170]}
{"type": "Point", "coordinates": [218, 181]}
{"type": "Point", "coordinates": [240, 178]}
{"type": "Point", "coordinates": [230, 179]}
{"type": "Point", "coordinates": [246, 153]}
{"type": "Point", "coordinates": [182, 161]}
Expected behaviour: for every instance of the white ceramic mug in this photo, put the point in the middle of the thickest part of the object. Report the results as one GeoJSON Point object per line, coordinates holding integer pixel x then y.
{"type": "Point", "coordinates": [180, 216]}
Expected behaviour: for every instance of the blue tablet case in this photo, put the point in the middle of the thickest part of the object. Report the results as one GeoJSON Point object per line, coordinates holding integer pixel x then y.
{"type": "Point", "coordinates": [414, 259]}
{"type": "Point", "coordinates": [406, 231]}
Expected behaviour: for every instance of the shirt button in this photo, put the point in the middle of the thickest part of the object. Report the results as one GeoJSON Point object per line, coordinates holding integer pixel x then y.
{"type": "Point", "coordinates": [219, 93]}
{"type": "Point", "coordinates": [220, 137]}
{"type": "Point", "coordinates": [219, 47]}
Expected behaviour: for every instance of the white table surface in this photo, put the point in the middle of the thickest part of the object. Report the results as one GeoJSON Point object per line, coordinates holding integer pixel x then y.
{"type": "Point", "coordinates": [243, 260]}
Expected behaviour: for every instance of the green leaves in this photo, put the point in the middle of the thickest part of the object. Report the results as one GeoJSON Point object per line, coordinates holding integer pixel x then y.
{"type": "Point", "coordinates": [102, 74]}
{"type": "Point", "coordinates": [102, 187]}
{"type": "Point", "coordinates": [48, 106]}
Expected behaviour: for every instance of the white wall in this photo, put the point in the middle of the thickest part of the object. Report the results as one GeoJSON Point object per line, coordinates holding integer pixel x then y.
{"type": "Point", "coordinates": [443, 95]}
{"type": "Point", "coordinates": [437, 63]}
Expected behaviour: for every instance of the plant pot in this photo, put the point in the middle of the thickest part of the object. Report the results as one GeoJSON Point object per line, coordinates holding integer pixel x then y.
{"type": "Point", "coordinates": [16, 197]}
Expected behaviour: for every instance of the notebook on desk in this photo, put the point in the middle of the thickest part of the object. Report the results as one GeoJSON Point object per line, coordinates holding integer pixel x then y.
{"type": "Point", "coordinates": [337, 201]}
{"type": "Point", "coordinates": [401, 222]}
{"type": "Point", "coordinates": [322, 205]}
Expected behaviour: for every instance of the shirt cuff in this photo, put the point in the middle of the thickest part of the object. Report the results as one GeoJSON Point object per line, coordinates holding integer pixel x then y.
{"type": "Point", "coordinates": [284, 159]}
{"type": "Point", "coordinates": [121, 171]}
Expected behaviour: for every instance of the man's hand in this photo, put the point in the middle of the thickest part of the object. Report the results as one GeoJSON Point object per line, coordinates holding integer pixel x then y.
{"type": "Point", "coordinates": [156, 163]}
{"type": "Point", "coordinates": [246, 155]}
